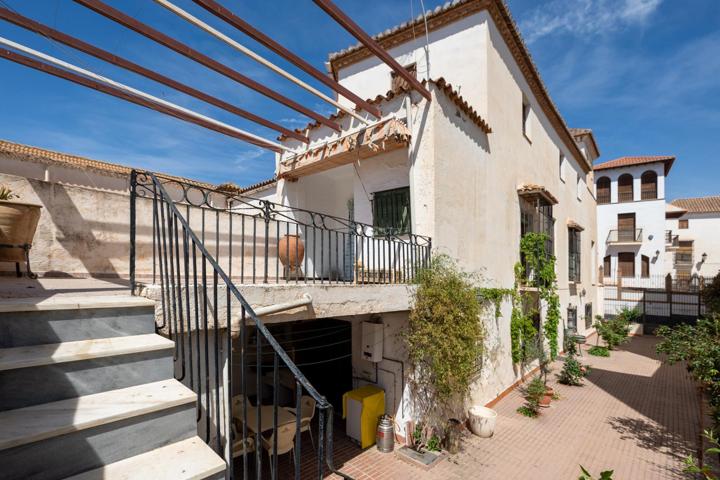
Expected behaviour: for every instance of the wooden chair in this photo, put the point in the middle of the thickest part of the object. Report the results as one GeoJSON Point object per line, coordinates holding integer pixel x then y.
{"type": "Point", "coordinates": [285, 443]}
{"type": "Point", "coordinates": [307, 413]}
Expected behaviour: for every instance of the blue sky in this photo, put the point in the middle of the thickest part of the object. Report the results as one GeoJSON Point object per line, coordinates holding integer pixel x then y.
{"type": "Point", "coordinates": [643, 74]}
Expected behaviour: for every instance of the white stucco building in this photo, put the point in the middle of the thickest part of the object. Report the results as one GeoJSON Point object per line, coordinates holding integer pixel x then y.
{"type": "Point", "coordinates": [631, 215]}
{"type": "Point", "coordinates": [486, 160]}
{"type": "Point", "coordinates": [694, 224]}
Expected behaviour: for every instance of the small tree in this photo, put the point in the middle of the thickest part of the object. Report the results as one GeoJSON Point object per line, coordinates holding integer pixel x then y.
{"type": "Point", "coordinates": [444, 341]}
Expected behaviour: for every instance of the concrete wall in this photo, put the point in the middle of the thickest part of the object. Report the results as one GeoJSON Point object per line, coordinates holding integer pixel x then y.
{"type": "Point", "coordinates": [83, 231]}
{"type": "Point", "coordinates": [464, 183]}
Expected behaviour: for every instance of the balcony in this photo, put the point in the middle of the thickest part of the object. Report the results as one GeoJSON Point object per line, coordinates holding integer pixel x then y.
{"type": "Point", "coordinates": [625, 237]}
{"type": "Point", "coordinates": [671, 241]}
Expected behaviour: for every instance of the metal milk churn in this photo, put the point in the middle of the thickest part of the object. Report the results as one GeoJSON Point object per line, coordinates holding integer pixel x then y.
{"type": "Point", "coordinates": [385, 437]}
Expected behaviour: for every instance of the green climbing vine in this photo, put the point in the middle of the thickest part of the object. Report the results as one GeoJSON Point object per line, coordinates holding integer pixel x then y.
{"type": "Point", "coordinates": [495, 297]}
{"type": "Point", "coordinates": [538, 271]}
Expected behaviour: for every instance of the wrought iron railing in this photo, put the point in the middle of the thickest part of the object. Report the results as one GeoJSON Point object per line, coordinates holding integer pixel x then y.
{"type": "Point", "coordinates": [213, 326]}
{"type": "Point", "coordinates": [625, 236]}
{"type": "Point", "coordinates": [259, 241]}
{"type": "Point", "coordinates": [671, 240]}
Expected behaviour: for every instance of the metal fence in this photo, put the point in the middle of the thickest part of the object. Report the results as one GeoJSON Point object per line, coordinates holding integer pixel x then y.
{"type": "Point", "coordinates": [662, 299]}
{"type": "Point", "coordinates": [202, 310]}
{"type": "Point", "coordinates": [258, 241]}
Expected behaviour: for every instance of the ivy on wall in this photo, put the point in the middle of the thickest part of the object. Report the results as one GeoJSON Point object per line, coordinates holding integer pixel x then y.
{"type": "Point", "coordinates": [538, 272]}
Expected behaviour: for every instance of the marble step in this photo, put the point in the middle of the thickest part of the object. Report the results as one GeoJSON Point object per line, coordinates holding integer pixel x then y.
{"type": "Point", "coordinates": [21, 328]}
{"type": "Point", "coordinates": [189, 459]}
{"type": "Point", "coordinates": [59, 439]}
{"type": "Point", "coordinates": [80, 302]}
{"type": "Point", "coordinates": [39, 422]}
{"type": "Point", "coordinates": [53, 353]}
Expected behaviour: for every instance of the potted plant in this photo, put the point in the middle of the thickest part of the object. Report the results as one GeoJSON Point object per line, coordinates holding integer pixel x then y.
{"type": "Point", "coordinates": [18, 222]}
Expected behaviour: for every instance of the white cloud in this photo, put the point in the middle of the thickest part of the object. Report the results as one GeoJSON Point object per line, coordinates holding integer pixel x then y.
{"type": "Point", "coordinates": [585, 17]}
{"type": "Point", "coordinates": [248, 160]}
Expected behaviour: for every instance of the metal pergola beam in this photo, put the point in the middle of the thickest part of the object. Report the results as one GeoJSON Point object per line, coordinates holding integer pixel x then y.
{"type": "Point", "coordinates": [223, 13]}
{"type": "Point", "coordinates": [348, 24]}
{"type": "Point", "coordinates": [131, 95]}
{"type": "Point", "coordinates": [189, 52]}
{"type": "Point", "coordinates": [82, 46]}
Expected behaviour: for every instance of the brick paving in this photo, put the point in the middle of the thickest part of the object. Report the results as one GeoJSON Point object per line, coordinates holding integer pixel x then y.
{"type": "Point", "coordinates": [634, 415]}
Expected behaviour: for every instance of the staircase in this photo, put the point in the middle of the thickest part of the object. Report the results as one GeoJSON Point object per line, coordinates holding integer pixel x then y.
{"type": "Point", "coordinates": [87, 392]}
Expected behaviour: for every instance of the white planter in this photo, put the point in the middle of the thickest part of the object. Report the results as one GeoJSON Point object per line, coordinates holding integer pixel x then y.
{"type": "Point", "coordinates": [482, 421]}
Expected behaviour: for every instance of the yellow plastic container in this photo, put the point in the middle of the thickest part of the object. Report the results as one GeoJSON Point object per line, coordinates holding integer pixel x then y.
{"type": "Point", "coordinates": [362, 408]}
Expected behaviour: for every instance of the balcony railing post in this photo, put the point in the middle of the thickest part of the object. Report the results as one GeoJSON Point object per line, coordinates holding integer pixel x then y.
{"type": "Point", "coordinates": [267, 217]}
{"type": "Point", "coordinates": [133, 228]}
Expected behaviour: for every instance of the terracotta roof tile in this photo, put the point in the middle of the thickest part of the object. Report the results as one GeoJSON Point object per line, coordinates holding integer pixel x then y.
{"type": "Point", "coordinates": [444, 86]}
{"type": "Point", "coordinates": [709, 204]}
{"type": "Point", "coordinates": [640, 160]}
{"type": "Point", "coordinates": [455, 10]}
{"type": "Point", "coordinates": [42, 155]}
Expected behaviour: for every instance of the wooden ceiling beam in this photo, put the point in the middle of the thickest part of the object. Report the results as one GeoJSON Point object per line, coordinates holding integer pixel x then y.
{"type": "Point", "coordinates": [84, 47]}
{"type": "Point", "coordinates": [223, 13]}
{"type": "Point", "coordinates": [159, 106]}
{"type": "Point", "coordinates": [348, 24]}
{"type": "Point", "coordinates": [189, 52]}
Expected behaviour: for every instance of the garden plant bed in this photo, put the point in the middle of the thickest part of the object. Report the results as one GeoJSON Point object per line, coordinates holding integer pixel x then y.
{"type": "Point", "coordinates": [425, 460]}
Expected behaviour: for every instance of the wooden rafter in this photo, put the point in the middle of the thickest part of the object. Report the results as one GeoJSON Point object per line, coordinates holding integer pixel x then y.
{"type": "Point", "coordinates": [82, 46]}
{"type": "Point", "coordinates": [348, 24]}
{"type": "Point", "coordinates": [221, 12]}
{"type": "Point", "coordinates": [189, 52]}
{"type": "Point", "coordinates": [129, 95]}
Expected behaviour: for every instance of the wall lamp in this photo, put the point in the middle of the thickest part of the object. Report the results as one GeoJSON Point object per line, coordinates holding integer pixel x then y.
{"type": "Point", "coordinates": [704, 257]}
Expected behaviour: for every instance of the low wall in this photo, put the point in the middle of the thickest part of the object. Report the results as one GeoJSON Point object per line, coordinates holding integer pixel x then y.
{"type": "Point", "coordinates": [83, 231]}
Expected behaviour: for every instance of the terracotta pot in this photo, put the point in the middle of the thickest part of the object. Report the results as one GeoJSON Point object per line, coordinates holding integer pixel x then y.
{"type": "Point", "coordinates": [545, 401]}
{"type": "Point", "coordinates": [18, 222]}
{"type": "Point", "coordinates": [291, 251]}
{"type": "Point", "coordinates": [549, 391]}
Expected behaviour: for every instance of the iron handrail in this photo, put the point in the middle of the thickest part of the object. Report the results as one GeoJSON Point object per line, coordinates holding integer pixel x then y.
{"type": "Point", "coordinates": [189, 236]}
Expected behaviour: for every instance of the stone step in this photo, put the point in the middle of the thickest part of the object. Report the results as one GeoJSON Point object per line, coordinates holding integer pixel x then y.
{"type": "Point", "coordinates": [53, 353]}
{"type": "Point", "coordinates": [59, 439]}
{"type": "Point", "coordinates": [21, 328]}
{"type": "Point", "coordinates": [36, 304]}
{"type": "Point", "coordinates": [189, 459]}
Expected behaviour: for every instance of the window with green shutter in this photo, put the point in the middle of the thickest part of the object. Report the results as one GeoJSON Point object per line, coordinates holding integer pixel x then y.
{"type": "Point", "coordinates": [391, 211]}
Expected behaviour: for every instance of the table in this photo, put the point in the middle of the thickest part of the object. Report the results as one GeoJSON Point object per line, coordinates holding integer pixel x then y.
{"type": "Point", "coordinates": [266, 417]}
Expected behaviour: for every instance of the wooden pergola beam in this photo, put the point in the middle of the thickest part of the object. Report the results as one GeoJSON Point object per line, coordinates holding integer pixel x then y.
{"type": "Point", "coordinates": [82, 46]}
{"type": "Point", "coordinates": [223, 13]}
{"type": "Point", "coordinates": [189, 52]}
{"type": "Point", "coordinates": [348, 24]}
{"type": "Point", "coordinates": [116, 92]}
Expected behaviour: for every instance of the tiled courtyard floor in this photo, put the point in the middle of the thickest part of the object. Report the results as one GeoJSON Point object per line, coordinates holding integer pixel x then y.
{"type": "Point", "coordinates": [634, 415]}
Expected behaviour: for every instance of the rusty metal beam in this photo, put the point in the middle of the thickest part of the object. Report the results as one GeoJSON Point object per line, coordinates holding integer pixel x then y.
{"type": "Point", "coordinates": [78, 44]}
{"type": "Point", "coordinates": [348, 24]}
{"type": "Point", "coordinates": [116, 92]}
{"type": "Point", "coordinates": [189, 52]}
{"type": "Point", "coordinates": [221, 12]}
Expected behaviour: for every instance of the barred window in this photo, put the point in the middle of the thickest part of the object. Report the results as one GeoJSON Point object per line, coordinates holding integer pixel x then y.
{"type": "Point", "coordinates": [574, 248]}
{"type": "Point", "coordinates": [391, 211]}
{"type": "Point", "coordinates": [588, 315]}
{"type": "Point", "coordinates": [572, 318]}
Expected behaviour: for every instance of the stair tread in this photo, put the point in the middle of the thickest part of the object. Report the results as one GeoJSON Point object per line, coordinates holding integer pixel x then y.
{"type": "Point", "coordinates": [62, 302]}
{"type": "Point", "coordinates": [46, 354]}
{"type": "Point", "coordinates": [40, 422]}
{"type": "Point", "coordinates": [189, 459]}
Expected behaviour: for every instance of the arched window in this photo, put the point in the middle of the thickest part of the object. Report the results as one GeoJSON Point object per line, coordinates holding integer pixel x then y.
{"type": "Point", "coordinates": [603, 190]}
{"type": "Point", "coordinates": [648, 185]}
{"type": "Point", "coordinates": [625, 188]}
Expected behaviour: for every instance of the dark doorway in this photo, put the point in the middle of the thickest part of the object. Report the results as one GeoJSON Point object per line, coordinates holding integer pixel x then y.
{"type": "Point", "coordinates": [322, 351]}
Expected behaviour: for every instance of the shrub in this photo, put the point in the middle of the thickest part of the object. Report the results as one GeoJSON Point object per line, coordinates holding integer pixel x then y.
{"type": "Point", "coordinates": [572, 372]}
{"type": "Point", "coordinates": [699, 347]}
{"type": "Point", "coordinates": [606, 475]}
{"type": "Point", "coordinates": [693, 467]}
{"type": "Point", "coordinates": [615, 331]}
{"type": "Point", "coordinates": [533, 393]}
{"type": "Point", "coordinates": [444, 341]}
{"type": "Point", "coordinates": [711, 295]}
{"type": "Point", "coordinates": [599, 351]}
